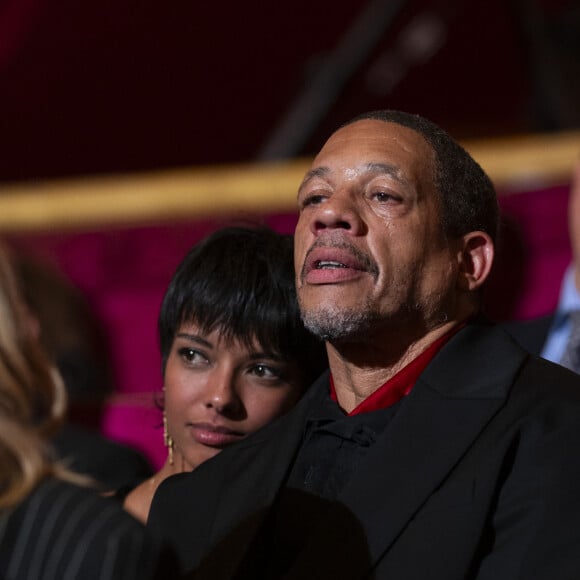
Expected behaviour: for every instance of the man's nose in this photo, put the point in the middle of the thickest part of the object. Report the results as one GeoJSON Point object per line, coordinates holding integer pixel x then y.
{"type": "Point", "coordinates": [339, 211]}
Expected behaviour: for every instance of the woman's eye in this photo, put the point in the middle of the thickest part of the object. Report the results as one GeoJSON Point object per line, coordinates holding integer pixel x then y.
{"type": "Point", "coordinates": [191, 355]}
{"type": "Point", "coordinates": [265, 372]}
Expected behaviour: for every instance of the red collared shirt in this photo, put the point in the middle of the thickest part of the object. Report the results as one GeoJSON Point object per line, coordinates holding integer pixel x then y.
{"type": "Point", "coordinates": [401, 384]}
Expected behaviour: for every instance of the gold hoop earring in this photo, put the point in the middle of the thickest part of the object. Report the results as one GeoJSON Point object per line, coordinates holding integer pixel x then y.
{"type": "Point", "coordinates": [167, 439]}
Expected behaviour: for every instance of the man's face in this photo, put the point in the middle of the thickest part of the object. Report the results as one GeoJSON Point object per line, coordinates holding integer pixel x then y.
{"type": "Point", "coordinates": [370, 251]}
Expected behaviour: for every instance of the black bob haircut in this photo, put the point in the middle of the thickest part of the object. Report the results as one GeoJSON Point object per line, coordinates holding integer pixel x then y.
{"type": "Point", "coordinates": [467, 196]}
{"type": "Point", "coordinates": [240, 281]}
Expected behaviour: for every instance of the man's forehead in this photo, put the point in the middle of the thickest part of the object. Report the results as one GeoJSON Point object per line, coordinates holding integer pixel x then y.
{"type": "Point", "coordinates": [384, 127]}
{"type": "Point", "coordinates": [372, 145]}
{"type": "Point", "coordinates": [368, 135]}
{"type": "Point", "coordinates": [370, 167]}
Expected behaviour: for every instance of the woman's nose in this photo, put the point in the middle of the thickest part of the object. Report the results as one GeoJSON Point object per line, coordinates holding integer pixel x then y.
{"type": "Point", "coordinates": [221, 393]}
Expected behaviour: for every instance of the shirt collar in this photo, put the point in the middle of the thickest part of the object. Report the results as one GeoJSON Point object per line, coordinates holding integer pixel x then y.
{"type": "Point", "coordinates": [399, 385]}
{"type": "Point", "coordinates": [569, 299]}
{"type": "Point", "coordinates": [569, 296]}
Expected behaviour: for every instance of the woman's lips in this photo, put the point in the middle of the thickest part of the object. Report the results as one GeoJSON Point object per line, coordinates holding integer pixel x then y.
{"type": "Point", "coordinates": [214, 435]}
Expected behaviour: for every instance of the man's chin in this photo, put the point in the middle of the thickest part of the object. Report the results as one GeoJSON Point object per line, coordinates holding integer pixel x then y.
{"type": "Point", "coordinates": [334, 325]}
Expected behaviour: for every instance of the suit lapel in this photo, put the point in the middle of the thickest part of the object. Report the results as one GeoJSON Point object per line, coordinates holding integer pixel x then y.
{"type": "Point", "coordinates": [457, 395]}
{"type": "Point", "coordinates": [426, 439]}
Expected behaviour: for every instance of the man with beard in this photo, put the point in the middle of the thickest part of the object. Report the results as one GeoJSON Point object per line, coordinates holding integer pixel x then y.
{"type": "Point", "coordinates": [436, 447]}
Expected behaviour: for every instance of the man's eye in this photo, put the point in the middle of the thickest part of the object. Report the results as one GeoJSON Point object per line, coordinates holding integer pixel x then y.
{"type": "Point", "coordinates": [313, 199]}
{"type": "Point", "coordinates": [384, 196]}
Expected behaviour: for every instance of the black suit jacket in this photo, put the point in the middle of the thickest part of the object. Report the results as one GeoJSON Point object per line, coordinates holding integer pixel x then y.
{"type": "Point", "coordinates": [476, 477]}
{"type": "Point", "coordinates": [530, 334]}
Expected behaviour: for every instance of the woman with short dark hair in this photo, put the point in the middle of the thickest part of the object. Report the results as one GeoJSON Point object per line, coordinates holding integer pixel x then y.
{"type": "Point", "coordinates": [235, 353]}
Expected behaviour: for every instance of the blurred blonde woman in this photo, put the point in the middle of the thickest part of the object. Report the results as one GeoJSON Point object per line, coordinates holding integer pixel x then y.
{"type": "Point", "coordinates": [52, 526]}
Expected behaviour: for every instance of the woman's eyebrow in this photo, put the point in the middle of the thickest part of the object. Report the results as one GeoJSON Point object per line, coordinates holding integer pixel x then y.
{"type": "Point", "coordinates": [266, 355]}
{"type": "Point", "coordinates": [194, 338]}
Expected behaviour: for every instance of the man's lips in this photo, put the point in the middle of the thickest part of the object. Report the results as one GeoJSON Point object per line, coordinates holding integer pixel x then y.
{"type": "Point", "coordinates": [214, 435]}
{"type": "Point", "coordinates": [334, 264]}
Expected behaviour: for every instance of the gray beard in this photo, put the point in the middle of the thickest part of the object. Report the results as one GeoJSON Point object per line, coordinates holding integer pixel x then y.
{"type": "Point", "coordinates": [332, 324]}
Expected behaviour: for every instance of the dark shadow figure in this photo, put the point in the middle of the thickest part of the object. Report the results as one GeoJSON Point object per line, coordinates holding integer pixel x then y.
{"type": "Point", "coordinates": [75, 341]}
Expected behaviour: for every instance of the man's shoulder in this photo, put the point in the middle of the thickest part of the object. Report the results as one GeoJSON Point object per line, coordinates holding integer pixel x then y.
{"type": "Point", "coordinates": [530, 334]}
{"type": "Point", "coordinates": [550, 381]}
{"type": "Point", "coordinates": [484, 360]}
{"type": "Point", "coordinates": [480, 361]}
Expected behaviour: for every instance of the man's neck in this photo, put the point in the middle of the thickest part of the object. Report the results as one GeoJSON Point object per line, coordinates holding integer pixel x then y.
{"type": "Point", "coordinates": [360, 368]}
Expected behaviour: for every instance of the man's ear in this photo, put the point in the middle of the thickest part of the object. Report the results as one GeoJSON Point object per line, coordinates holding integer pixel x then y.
{"type": "Point", "coordinates": [475, 260]}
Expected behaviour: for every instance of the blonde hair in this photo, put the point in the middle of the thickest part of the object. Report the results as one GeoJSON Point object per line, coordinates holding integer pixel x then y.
{"type": "Point", "coordinates": [32, 397]}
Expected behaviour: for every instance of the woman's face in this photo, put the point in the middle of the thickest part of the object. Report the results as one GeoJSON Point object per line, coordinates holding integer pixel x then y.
{"type": "Point", "coordinates": [218, 392]}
